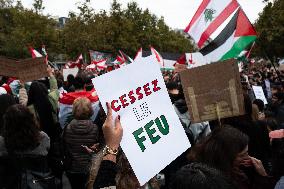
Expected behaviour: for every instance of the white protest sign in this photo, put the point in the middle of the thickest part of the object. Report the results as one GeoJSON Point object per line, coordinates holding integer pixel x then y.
{"type": "Point", "coordinates": [259, 94]}
{"type": "Point", "coordinates": [68, 71]}
{"type": "Point", "coordinates": [152, 133]}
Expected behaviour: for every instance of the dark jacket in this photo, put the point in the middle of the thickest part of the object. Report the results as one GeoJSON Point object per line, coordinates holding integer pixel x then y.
{"type": "Point", "coordinates": [78, 133]}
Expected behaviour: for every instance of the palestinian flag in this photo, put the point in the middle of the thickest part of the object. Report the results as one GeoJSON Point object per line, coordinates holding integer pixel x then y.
{"type": "Point", "coordinates": [66, 105]}
{"type": "Point", "coordinates": [126, 58]}
{"type": "Point", "coordinates": [34, 53]}
{"type": "Point", "coordinates": [233, 39]}
{"type": "Point", "coordinates": [119, 61]}
{"type": "Point", "coordinates": [208, 17]}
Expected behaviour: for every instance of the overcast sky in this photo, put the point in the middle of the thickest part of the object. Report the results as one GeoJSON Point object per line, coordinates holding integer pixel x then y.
{"type": "Point", "coordinates": [177, 13]}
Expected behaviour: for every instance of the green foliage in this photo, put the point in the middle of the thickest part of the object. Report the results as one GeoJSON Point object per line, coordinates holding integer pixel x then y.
{"type": "Point", "coordinates": [22, 28]}
{"type": "Point", "coordinates": [270, 29]}
{"type": "Point", "coordinates": [126, 29]}
{"type": "Point", "coordinates": [38, 6]}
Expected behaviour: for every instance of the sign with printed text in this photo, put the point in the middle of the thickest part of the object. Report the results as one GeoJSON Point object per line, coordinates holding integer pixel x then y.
{"type": "Point", "coordinates": [213, 91]}
{"type": "Point", "coordinates": [152, 133]}
{"type": "Point", "coordinates": [259, 94]}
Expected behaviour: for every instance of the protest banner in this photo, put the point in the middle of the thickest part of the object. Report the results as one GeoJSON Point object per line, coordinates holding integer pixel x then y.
{"type": "Point", "coordinates": [68, 71]}
{"type": "Point", "coordinates": [31, 69]}
{"type": "Point", "coordinates": [213, 91]}
{"type": "Point", "coordinates": [152, 133]}
{"type": "Point", "coordinates": [25, 70]}
{"type": "Point", "coordinates": [259, 94]}
{"type": "Point", "coordinates": [7, 67]}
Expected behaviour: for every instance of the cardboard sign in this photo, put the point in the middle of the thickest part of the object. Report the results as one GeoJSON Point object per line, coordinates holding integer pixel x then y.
{"type": "Point", "coordinates": [259, 94]}
{"type": "Point", "coordinates": [31, 69]}
{"type": "Point", "coordinates": [281, 67]}
{"type": "Point", "coordinates": [152, 133]}
{"type": "Point", "coordinates": [68, 71]}
{"type": "Point", "coordinates": [25, 70]}
{"type": "Point", "coordinates": [7, 67]}
{"type": "Point", "coordinates": [213, 91]}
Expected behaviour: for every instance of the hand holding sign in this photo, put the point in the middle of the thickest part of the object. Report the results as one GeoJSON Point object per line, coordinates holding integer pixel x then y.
{"type": "Point", "coordinates": [138, 94]}
{"type": "Point", "coordinates": [112, 133]}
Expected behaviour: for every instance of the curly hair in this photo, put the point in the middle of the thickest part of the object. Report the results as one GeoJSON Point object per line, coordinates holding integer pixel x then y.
{"type": "Point", "coordinates": [21, 131]}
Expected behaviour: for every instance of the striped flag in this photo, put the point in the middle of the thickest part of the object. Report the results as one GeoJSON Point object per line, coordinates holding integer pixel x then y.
{"type": "Point", "coordinates": [208, 17]}
{"type": "Point", "coordinates": [138, 54]}
{"type": "Point", "coordinates": [158, 56]}
{"type": "Point", "coordinates": [126, 58]}
{"type": "Point", "coordinates": [66, 105]}
{"type": "Point", "coordinates": [233, 39]}
{"type": "Point", "coordinates": [79, 59]}
{"type": "Point", "coordinates": [34, 53]}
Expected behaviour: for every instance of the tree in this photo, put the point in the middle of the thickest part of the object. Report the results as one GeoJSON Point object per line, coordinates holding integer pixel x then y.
{"type": "Point", "coordinates": [270, 29]}
{"type": "Point", "coordinates": [25, 28]}
{"type": "Point", "coordinates": [6, 3]}
{"type": "Point", "coordinates": [38, 6]}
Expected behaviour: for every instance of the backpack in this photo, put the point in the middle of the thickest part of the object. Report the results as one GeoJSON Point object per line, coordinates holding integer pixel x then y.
{"type": "Point", "coordinates": [32, 172]}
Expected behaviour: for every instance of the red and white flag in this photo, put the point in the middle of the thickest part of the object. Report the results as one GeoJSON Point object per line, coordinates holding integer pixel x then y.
{"type": "Point", "coordinates": [101, 65]}
{"type": "Point", "coordinates": [138, 54]}
{"type": "Point", "coordinates": [126, 58]}
{"type": "Point", "coordinates": [79, 59]}
{"type": "Point", "coordinates": [208, 17]}
{"type": "Point", "coordinates": [35, 53]}
{"type": "Point", "coordinates": [66, 105]}
{"type": "Point", "coordinates": [158, 56]}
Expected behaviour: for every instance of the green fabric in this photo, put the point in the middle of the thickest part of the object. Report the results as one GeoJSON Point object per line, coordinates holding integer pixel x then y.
{"type": "Point", "coordinates": [238, 47]}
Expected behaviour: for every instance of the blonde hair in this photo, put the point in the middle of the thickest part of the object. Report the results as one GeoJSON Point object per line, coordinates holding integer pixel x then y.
{"type": "Point", "coordinates": [82, 108]}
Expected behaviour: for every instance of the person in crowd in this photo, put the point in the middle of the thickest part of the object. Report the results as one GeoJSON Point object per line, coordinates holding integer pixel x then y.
{"type": "Point", "coordinates": [5, 102]}
{"type": "Point", "coordinates": [200, 176]}
{"type": "Point", "coordinates": [278, 108]}
{"type": "Point", "coordinates": [277, 145]}
{"type": "Point", "coordinates": [80, 133]}
{"type": "Point", "coordinates": [25, 149]}
{"type": "Point", "coordinates": [115, 171]}
{"type": "Point", "coordinates": [226, 149]}
{"type": "Point", "coordinates": [43, 104]}
{"type": "Point", "coordinates": [69, 85]}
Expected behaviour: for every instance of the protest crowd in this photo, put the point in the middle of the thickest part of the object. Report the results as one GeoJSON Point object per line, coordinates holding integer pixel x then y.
{"type": "Point", "coordinates": [213, 119]}
{"type": "Point", "coordinates": [243, 152]}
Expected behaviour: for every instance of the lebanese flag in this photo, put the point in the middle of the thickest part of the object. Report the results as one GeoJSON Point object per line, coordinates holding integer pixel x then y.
{"type": "Point", "coordinates": [237, 35]}
{"type": "Point", "coordinates": [66, 105]}
{"type": "Point", "coordinates": [138, 54]}
{"type": "Point", "coordinates": [158, 56]}
{"type": "Point", "coordinates": [126, 58]}
{"type": "Point", "coordinates": [34, 53]}
{"type": "Point", "coordinates": [91, 67]}
{"type": "Point", "coordinates": [208, 17]}
{"type": "Point", "coordinates": [101, 65]}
